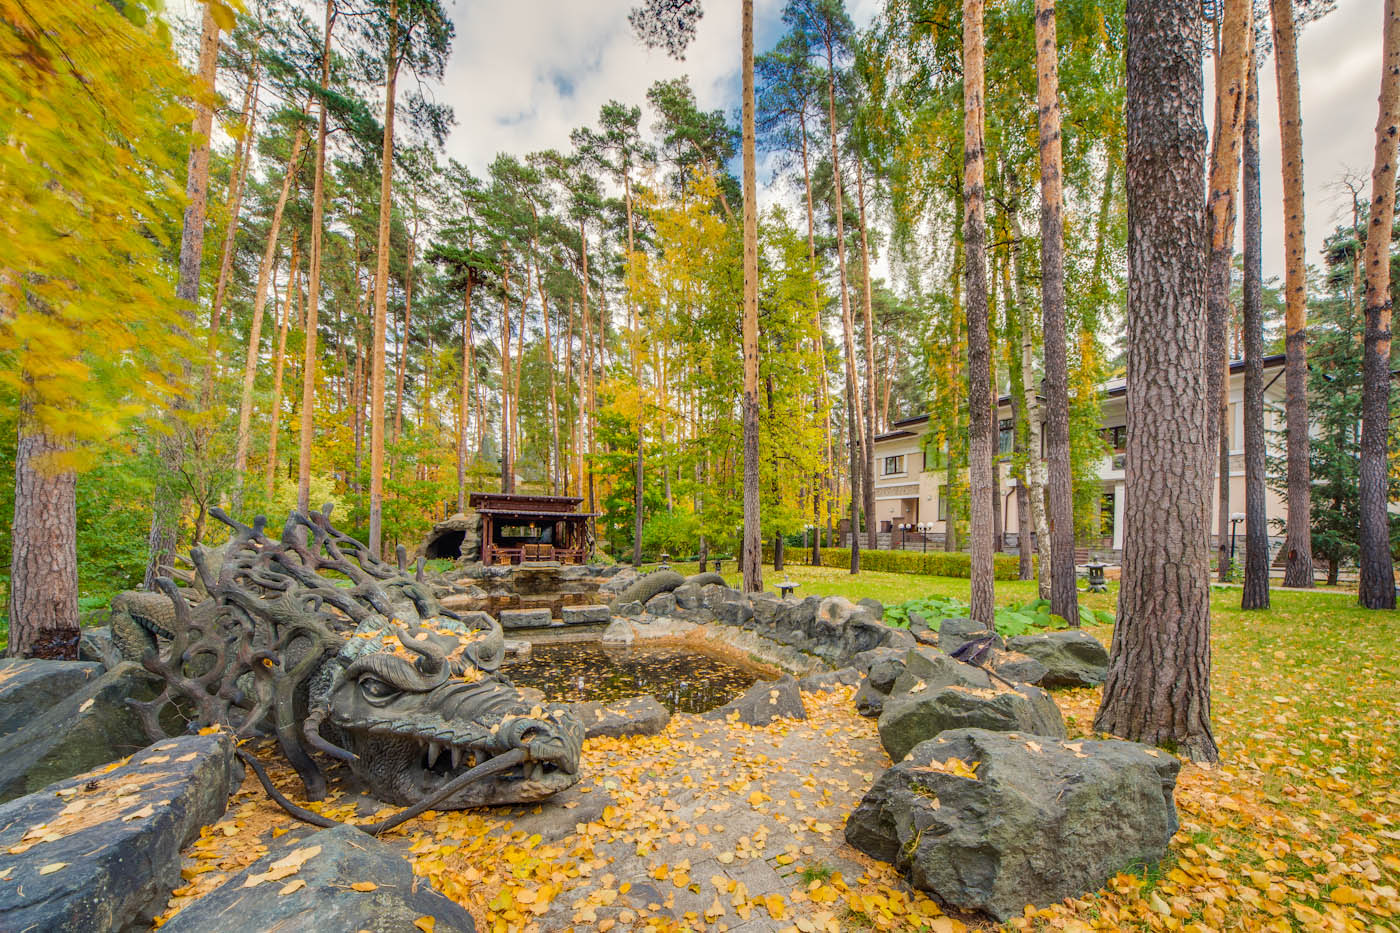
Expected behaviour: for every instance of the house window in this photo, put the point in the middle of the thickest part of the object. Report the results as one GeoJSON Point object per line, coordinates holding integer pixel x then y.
{"type": "Point", "coordinates": [943, 503]}
{"type": "Point", "coordinates": [935, 459]}
{"type": "Point", "coordinates": [1117, 437]}
{"type": "Point", "coordinates": [893, 465]}
{"type": "Point", "coordinates": [1006, 435]}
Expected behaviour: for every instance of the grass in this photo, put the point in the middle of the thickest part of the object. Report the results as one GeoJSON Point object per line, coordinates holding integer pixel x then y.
{"type": "Point", "coordinates": [1298, 827]}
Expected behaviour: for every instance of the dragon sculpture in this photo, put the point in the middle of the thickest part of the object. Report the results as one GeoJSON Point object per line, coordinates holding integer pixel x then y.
{"type": "Point", "coordinates": [362, 666]}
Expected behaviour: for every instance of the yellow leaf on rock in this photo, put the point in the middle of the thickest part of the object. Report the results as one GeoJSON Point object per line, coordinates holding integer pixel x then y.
{"type": "Point", "coordinates": [292, 886]}
{"type": "Point", "coordinates": [363, 886]}
{"type": "Point", "coordinates": [52, 867]}
{"type": "Point", "coordinates": [425, 923]}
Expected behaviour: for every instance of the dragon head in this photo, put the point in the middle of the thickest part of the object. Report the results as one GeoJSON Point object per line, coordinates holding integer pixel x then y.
{"type": "Point", "coordinates": [419, 703]}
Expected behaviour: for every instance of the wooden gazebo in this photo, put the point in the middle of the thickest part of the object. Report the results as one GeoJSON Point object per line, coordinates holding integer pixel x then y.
{"type": "Point", "coordinates": [523, 528]}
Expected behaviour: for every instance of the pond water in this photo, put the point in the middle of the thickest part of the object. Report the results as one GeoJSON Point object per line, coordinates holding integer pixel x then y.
{"type": "Point", "coordinates": [681, 678]}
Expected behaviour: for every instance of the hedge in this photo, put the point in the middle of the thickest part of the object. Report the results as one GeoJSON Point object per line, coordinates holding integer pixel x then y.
{"type": "Point", "coordinates": [930, 563]}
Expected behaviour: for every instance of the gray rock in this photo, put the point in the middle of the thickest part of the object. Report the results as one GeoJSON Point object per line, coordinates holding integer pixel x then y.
{"type": "Point", "coordinates": [633, 716]}
{"type": "Point", "coordinates": [627, 610]}
{"type": "Point", "coordinates": [619, 582]}
{"type": "Point", "coordinates": [713, 594]}
{"type": "Point", "coordinates": [89, 727]}
{"type": "Point", "coordinates": [884, 672]}
{"type": "Point", "coordinates": [658, 581]}
{"type": "Point", "coordinates": [662, 604]}
{"type": "Point", "coordinates": [737, 613]}
{"type": "Point", "coordinates": [1042, 821]}
{"type": "Point", "coordinates": [869, 701]}
{"type": "Point", "coordinates": [30, 687]}
{"type": "Point", "coordinates": [911, 718]}
{"type": "Point", "coordinates": [764, 702]}
{"type": "Point", "coordinates": [872, 606]}
{"type": "Point", "coordinates": [1016, 667]}
{"type": "Point", "coordinates": [1072, 659]}
{"type": "Point", "coordinates": [867, 659]}
{"type": "Point", "coordinates": [578, 615]}
{"type": "Point", "coordinates": [524, 618]}
{"type": "Point", "coordinates": [901, 639]}
{"type": "Point", "coordinates": [518, 649]}
{"type": "Point", "coordinates": [835, 609]}
{"type": "Point", "coordinates": [343, 856]}
{"type": "Point", "coordinates": [954, 633]}
{"type": "Point", "coordinates": [936, 670]}
{"type": "Point", "coordinates": [917, 623]}
{"type": "Point", "coordinates": [688, 595]}
{"type": "Point", "coordinates": [619, 632]}
{"type": "Point", "coordinates": [117, 836]}
{"type": "Point", "coordinates": [96, 645]}
{"type": "Point", "coordinates": [829, 680]}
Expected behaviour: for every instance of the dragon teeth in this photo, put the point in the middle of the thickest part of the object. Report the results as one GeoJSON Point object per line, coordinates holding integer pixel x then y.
{"type": "Point", "coordinates": [456, 757]}
{"type": "Point", "coordinates": [434, 749]}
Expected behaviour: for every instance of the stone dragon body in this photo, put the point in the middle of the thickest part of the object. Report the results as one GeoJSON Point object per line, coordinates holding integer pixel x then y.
{"type": "Point", "coordinates": [335, 653]}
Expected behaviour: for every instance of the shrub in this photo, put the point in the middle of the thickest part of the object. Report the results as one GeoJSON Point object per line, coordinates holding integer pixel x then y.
{"type": "Point", "coordinates": [931, 563]}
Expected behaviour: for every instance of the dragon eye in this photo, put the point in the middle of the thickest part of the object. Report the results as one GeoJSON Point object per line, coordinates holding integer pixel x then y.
{"type": "Point", "coordinates": [376, 689]}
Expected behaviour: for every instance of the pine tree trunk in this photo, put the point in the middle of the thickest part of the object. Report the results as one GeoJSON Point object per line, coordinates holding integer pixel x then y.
{"type": "Point", "coordinates": [1377, 589]}
{"type": "Point", "coordinates": [1235, 38]}
{"type": "Point", "coordinates": [871, 529]}
{"type": "Point", "coordinates": [43, 547]}
{"type": "Point", "coordinates": [753, 540]}
{"type": "Point", "coordinates": [279, 365]}
{"type": "Point", "coordinates": [1298, 571]}
{"type": "Point", "coordinates": [468, 373]}
{"type": "Point", "coordinates": [1222, 474]}
{"type": "Point", "coordinates": [165, 511]}
{"type": "Point", "coordinates": [1064, 595]}
{"type": "Point", "coordinates": [979, 352]}
{"type": "Point", "coordinates": [313, 289]}
{"type": "Point", "coordinates": [243, 156]}
{"type": "Point", "coordinates": [401, 364]}
{"type": "Point", "coordinates": [1256, 519]}
{"type": "Point", "coordinates": [250, 363]}
{"type": "Point", "coordinates": [853, 448]}
{"type": "Point", "coordinates": [1158, 686]}
{"type": "Point", "coordinates": [819, 482]}
{"type": "Point", "coordinates": [381, 293]}
{"type": "Point", "coordinates": [507, 464]}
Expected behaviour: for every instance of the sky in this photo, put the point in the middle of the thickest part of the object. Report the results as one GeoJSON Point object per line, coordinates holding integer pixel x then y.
{"type": "Point", "coordinates": [523, 73]}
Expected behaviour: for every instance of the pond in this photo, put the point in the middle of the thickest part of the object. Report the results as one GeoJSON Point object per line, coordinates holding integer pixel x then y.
{"type": "Point", "coordinates": [682, 679]}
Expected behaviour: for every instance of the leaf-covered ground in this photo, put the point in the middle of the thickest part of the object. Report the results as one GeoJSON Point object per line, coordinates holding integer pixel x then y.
{"type": "Point", "coordinates": [714, 825]}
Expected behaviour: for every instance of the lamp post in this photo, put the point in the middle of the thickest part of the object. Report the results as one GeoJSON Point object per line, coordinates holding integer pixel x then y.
{"type": "Point", "coordinates": [923, 533]}
{"type": "Point", "coordinates": [1235, 519]}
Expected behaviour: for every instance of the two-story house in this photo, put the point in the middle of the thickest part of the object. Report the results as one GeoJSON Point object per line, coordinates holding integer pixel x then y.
{"type": "Point", "coordinates": [911, 490]}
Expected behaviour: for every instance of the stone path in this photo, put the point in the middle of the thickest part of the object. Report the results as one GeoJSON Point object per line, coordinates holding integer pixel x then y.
{"type": "Point", "coordinates": [711, 825]}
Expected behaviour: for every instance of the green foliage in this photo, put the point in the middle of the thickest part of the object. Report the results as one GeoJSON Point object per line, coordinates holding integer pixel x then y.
{"type": "Point", "coordinates": [1010, 620]}
{"type": "Point", "coordinates": [676, 533]}
{"type": "Point", "coordinates": [932, 563]}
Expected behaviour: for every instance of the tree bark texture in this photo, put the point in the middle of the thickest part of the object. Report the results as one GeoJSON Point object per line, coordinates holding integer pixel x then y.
{"type": "Point", "coordinates": [753, 532]}
{"type": "Point", "coordinates": [872, 531]}
{"type": "Point", "coordinates": [43, 548]}
{"type": "Point", "coordinates": [1256, 520]}
{"type": "Point", "coordinates": [1235, 39]}
{"type": "Point", "coordinates": [1377, 589]}
{"type": "Point", "coordinates": [981, 429]}
{"type": "Point", "coordinates": [250, 363]}
{"type": "Point", "coordinates": [165, 511]}
{"type": "Point", "coordinates": [381, 293]}
{"type": "Point", "coordinates": [1158, 685]}
{"type": "Point", "coordinates": [274, 415]}
{"type": "Point", "coordinates": [313, 290]}
{"type": "Point", "coordinates": [1059, 488]}
{"type": "Point", "coordinates": [1298, 571]}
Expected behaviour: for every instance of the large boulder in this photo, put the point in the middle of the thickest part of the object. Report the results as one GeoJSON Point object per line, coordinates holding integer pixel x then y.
{"type": "Point", "coordinates": [919, 715]}
{"type": "Point", "coordinates": [349, 881]}
{"type": "Point", "coordinates": [457, 537]}
{"type": "Point", "coordinates": [31, 687]}
{"type": "Point", "coordinates": [954, 633]}
{"type": "Point", "coordinates": [764, 702]}
{"type": "Point", "coordinates": [632, 716]}
{"type": "Point", "coordinates": [826, 681]}
{"type": "Point", "coordinates": [688, 595]}
{"type": "Point", "coordinates": [644, 588]}
{"type": "Point", "coordinates": [869, 702]}
{"type": "Point", "coordinates": [934, 670]}
{"type": "Point", "coordinates": [992, 821]}
{"type": "Point", "coordinates": [662, 604]}
{"type": "Point", "coordinates": [1016, 667]}
{"type": "Point", "coordinates": [101, 851]}
{"type": "Point", "coordinates": [90, 726]}
{"type": "Point", "coordinates": [619, 582]}
{"type": "Point", "coordinates": [1072, 659]}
